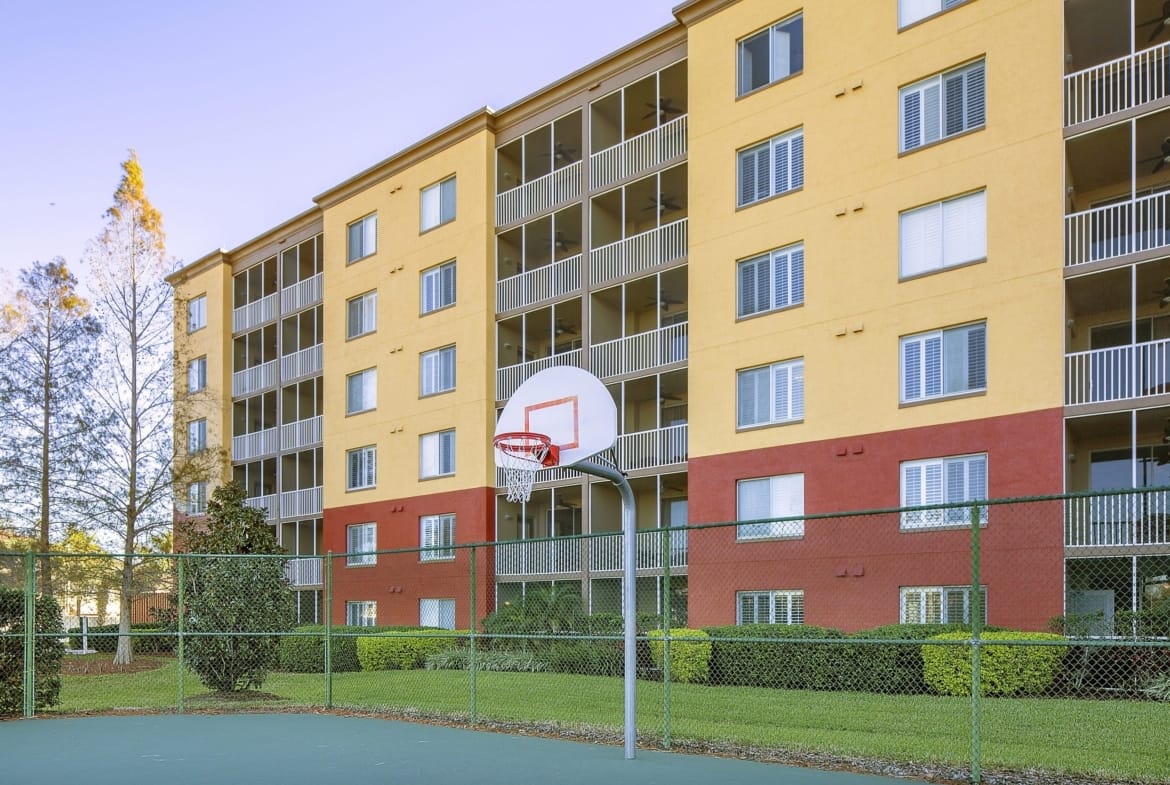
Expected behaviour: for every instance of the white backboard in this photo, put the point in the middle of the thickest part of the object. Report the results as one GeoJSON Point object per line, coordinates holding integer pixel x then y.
{"type": "Point", "coordinates": [569, 405]}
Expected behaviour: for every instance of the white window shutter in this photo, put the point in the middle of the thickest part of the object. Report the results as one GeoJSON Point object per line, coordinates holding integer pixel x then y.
{"type": "Point", "coordinates": [781, 400]}
{"type": "Point", "coordinates": [447, 275]}
{"type": "Point", "coordinates": [430, 207]}
{"type": "Point", "coordinates": [976, 104]}
{"type": "Point", "coordinates": [780, 154]}
{"type": "Point", "coordinates": [796, 272]}
{"type": "Point", "coordinates": [754, 500]}
{"type": "Point", "coordinates": [911, 369]}
{"type": "Point", "coordinates": [921, 240]}
{"type": "Point", "coordinates": [797, 390]}
{"type": "Point", "coordinates": [371, 466]}
{"type": "Point", "coordinates": [911, 119]}
{"type": "Point", "coordinates": [781, 279]}
{"type": "Point", "coordinates": [747, 177]}
{"type": "Point", "coordinates": [931, 112]}
{"type": "Point", "coordinates": [796, 148]}
{"type": "Point", "coordinates": [964, 222]}
{"type": "Point", "coordinates": [932, 365]}
{"type": "Point", "coordinates": [370, 312]}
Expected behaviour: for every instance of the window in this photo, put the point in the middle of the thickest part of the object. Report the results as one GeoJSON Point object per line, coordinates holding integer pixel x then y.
{"type": "Point", "coordinates": [938, 604]}
{"type": "Point", "coordinates": [196, 436]}
{"type": "Point", "coordinates": [910, 11]}
{"type": "Point", "coordinates": [196, 374]}
{"type": "Point", "coordinates": [954, 480]}
{"type": "Point", "coordinates": [944, 362]}
{"type": "Point", "coordinates": [362, 468]}
{"type": "Point", "coordinates": [361, 391]}
{"type": "Point", "coordinates": [361, 613]}
{"type": "Point", "coordinates": [770, 497]}
{"type": "Point", "coordinates": [943, 234]}
{"type": "Point", "coordinates": [769, 607]}
{"type": "Point", "coordinates": [771, 281]}
{"type": "Point", "coordinates": [771, 394]}
{"type": "Point", "coordinates": [438, 287]}
{"type": "Point", "coordinates": [437, 371]}
{"type": "Point", "coordinates": [361, 544]}
{"type": "Point", "coordinates": [438, 204]}
{"type": "Point", "coordinates": [361, 238]}
{"type": "Point", "coordinates": [771, 55]}
{"type": "Point", "coordinates": [942, 106]}
{"type": "Point", "coordinates": [197, 313]}
{"type": "Point", "coordinates": [436, 613]}
{"type": "Point", "coordinates": [437, 537]}
{"type": "Point", "coordinates": [361, 314]}
{"type": "Point", "coordinates": [437, 454]}
{"type": "Point", "coordinates": [197, 498]}
{"type": "Point", "coordinates": [771, 168]}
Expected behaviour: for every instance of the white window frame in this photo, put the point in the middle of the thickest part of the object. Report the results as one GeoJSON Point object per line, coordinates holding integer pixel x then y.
{"type": "Point", "coordinates": [361, 468]}
{"type": "Point", "coordinates": [955, 479]}
{"type": "Point", "coordinates": [943, 234]}
{"type": "Point", "coordinates": [911, 11]}
{"type": "Point", "coordinates": [361, 238]}
{"type": "Point", "coordinates": [436, 371]}
{"type": "Point", "coordinates": [437, 204]}
{"type": "Point", "coordinates": [436, 612]}
{"type": "Point", "coordinates": [361, 315]}
{"type": "Point", "coordinates": [941, 364]}
{"type": "Point", "coordinates": [361, 544]}
{"type": "Point", "coordinates": [363, 612]}
{"type": "Point", "coordinates": [437, 537]}
{"type": "Point", "coordinates": [770, 281]}
{"type": "Point", "coordinates": [197, 498]}
{"type": "Point", "coordinates": [779, 64]}
{"type": "Point", "coordinates": [779, 606]}
{"type": "Point", "coordinates": [770, 168]}
{"type": "Point", "coordinates": [933, 604]}
{"type": "Point", "coordinates": [197, 313]}
{"type": "Point", "coordinates": [436, 454]}
{"type": "Point", "coordinates": [770, 394]}
{"type": "Point", "coordinates": [196, 436]}
{"type": "Point", "coordinates": [197, 374]}
{"type": "Point", "coordinates": [437, 287]}
{"type": "Point", "coordinates": [783, 498]}
{"type": "Point", "coordinates": [937, 117]}
{"type": "Point", "coordinates": [361, 391]}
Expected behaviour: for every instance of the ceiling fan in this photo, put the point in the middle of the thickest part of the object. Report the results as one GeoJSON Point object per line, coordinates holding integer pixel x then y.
{"type": "Point", "coordinates": [562, 243]}
{"type": "Point", "coordinates": [665, 299]}
{"type": "Point", "coordinates": [664, 203]}
{"type": "Point", "coordinates": [562, 327]}
{"type": "Point", "coordinates": [665, 107]}
{"type": "Point", "coordinates": [1162, 159]}
{"type": "Point", "coordinates": [1163, 294]}
{"type": "Point", "coordinates": [1160, 24]}
{"type": "Point", "coordinates": [562, 153]}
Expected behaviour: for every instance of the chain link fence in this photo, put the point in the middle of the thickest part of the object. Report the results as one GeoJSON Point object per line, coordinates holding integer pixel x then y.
{"type": "Point", "coordinates": [1018, 635]}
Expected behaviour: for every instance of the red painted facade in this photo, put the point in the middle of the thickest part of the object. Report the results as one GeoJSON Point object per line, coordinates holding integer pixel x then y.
{"type": "Point", "coordinates": [851, 568]}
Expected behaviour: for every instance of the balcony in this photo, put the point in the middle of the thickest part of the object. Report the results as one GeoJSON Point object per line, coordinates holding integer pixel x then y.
{"type": "Point", "coordinates": [1116, 230]}
{"type": "Point", "coordinates": [254, 313]}
{"type": "Point", "coordinates": [1125, 83]}
{"type": "Point", "coordinates": [560, 556]}
{"type": "Point", "coordinates": [306, 362]}
{"type": "Point", "coordinates": [639, 353]}
{"type": "Point", "coordinates": [510, 378]}
{"type": "Point", "coordinates": [304, 572]}
{"type": "Point", "coordinates": [301, 503]}
{"type": "Point", "coordinates": [606, 553]}
{"type": "Point", "coordinates": [252, 445]}
{"type": "Point", "coordinates": [639, 154]}
{"type": "Point", "coordinates": [1117, 373]}
{"type": "Point", "coordinates": [638, 254]}
{"type": "Point", "coordinates": [302, 294]}
{"type": "Point", "coordinates": [302, 433]}
{"type": "Point", "coordinates": [1117, 520]}
{"type": "Point", "coordinates": [652, 449]}
{"type": "Point", "coordinates": [267, 502]}
{"type": "Point", "coordinates": [539, 557]}
{"type": "Point", "coordinates": [536, 196]}
{"type": "Point", "coordinates": [544, 283]}
{"type": "Point", "coordinates": [254, 379]}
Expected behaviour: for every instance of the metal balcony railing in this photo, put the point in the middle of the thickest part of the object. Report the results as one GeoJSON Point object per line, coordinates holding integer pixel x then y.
{"type": "Point", "coordinates": [253, 445]}
{"type": "Point", "coordinates": [544, 283]}
{"type": "Point", "coordinates": [254, 379]}
{"type": "Point", "coordinates": [638, 254]}
{"type": "Point", "coordinates": [639, 153]}
{"type": "Point", "coordinates": [1117, 373]}
{"type": "Point", "coordinates": [301, 503]}
{"type": "Point", "coordinates": [305, 362]}
{"type": "Point", "coordinates": [1123, 519]}
{"type": "Point", "coordinates": [302, 433]}
{"type": "Point", "coordinates": [651, 449]}
{"type": "Point", "coordinates": [1118, 85]}
{"type": "Point", "coordinates": [254, 313]}
{"type": "Point", "coordinates": [606, 552]}
{"type": "Point", "coordinates": [302, 294]}
{"type": "Point", "coordinates": [638, 353]}
{"type": "Point", "coordinates": [538, 195]}
{"type": "Point", "coordinates": [304, 572]}
{"type": "Point", "coordinates": [510, 378]}
{"type": "Point", "coordinates": [1114, 230]}
{"type": "Point", "coordinates": [541, 557]}
{"type": "Point", "coordinates": [267, 502]}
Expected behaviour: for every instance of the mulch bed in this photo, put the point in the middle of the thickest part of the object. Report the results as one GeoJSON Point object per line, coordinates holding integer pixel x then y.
{"type": "Point", "coordinates": [103, 665]}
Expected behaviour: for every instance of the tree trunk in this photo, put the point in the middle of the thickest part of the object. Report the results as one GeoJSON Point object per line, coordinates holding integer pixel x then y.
{"type": "Point", "coordinates": [46, 586]}
{"type": "Point", "coordinates": [124, 653]}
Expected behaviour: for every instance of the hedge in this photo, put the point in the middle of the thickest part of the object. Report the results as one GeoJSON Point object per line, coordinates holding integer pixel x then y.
{"type": "Point", "coordinates": [104, 638]}
{"type": "Point", "coordinates": [1003, 669]}
{"type": "Point", "coordinates": [690, 660]}
{"type": "Point", "coordinates": [795, 665]}
{"type": "Point", "coordinates": [47, 651]}
{"type": "Point", "coordinates": [894, 668]}
{"type": "Point", "coordinates": [404, 650]}
{"type": "Point", "coordinates": [588, 657]}
{"type": "Point", "coordinates": [306, 653]}
{"type": "Point", "coordinates": [460, 659]}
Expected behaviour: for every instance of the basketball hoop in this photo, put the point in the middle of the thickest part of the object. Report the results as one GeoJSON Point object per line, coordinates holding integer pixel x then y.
{"type": "Point", "coordinates": [521, 454]}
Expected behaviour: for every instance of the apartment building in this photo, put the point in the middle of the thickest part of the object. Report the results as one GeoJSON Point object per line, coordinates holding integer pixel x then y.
{"type": "Point", "coordinates": [825, 257]}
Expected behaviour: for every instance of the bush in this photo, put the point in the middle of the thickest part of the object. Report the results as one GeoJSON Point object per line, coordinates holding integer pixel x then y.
{"type": "Point", "coordinates": [48, 651]}
{"type": "Point", "coordinates": [460, 659]}
{"type": "Point", "coordinates": [1003, 669]}
{"type": "Point", "coordinates": [894, 668]}
{"type": "Point", "coordinates": [690, 661]}
{"type": "Point", "coordinates": [798, 664]}
{"type": "Point", "coordinates": [589, 657]}
{"type": "Point", "coordinates": [403, 650]}
{"type": "Point", "coordinates": [104, 638]}
{"type": "Point", "coordinates": [306, 653]}
{"type": "Point", "coordinates": [1159, 687]}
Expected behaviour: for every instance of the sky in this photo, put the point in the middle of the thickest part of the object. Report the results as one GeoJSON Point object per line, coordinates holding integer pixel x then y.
{"type": "Point", "coordinates": [242, 111]}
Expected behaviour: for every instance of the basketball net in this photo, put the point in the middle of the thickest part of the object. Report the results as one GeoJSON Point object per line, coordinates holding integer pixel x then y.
{"type": "Point", "coordinates": [521, 455]}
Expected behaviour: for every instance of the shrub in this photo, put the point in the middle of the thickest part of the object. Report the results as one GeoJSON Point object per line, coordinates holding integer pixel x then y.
{"type": "Point", "coordinates": [403, 650]}
{"type": "Point", "coordinates": [1159, 687]}
{"type": "Point", "coordinates": [104, 638]}
{"type": "Point", "coordinates": [589, 657]}
{"type": "Point", "coordinates": [690, 660]}
{"type": "Point", "coordinates": [1003, 669]}
{"type": "Point", "coordinates": [789, 658]}
{"type": "Point", "coordinates": [888, 667]}
{"type": "Point", "coordinates": [460, 659]}
{"type": "Point", "coordinates": [306, 653]}
{"type": "Point", "coordinates": [48, 651]}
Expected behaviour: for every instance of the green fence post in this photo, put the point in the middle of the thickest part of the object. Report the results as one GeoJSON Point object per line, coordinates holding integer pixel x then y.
{"type": "Point", "coordinates": [182, 628]}
{"type": "Point", "coordinates": [976, 632]}
{"type": "Point", "coordinates": [471, 660]}
{"type": "Point", "coordinates": [666, 638]}
{"type": "Point", "coordinates": [329, 629]}
{"type": "Point", "coordinates": [30, 634]}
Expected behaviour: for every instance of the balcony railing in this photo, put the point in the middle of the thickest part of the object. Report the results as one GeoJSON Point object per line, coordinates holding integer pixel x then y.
{"type": "Point", "coordinates": [304, 572]}
{"type": "Point", "coordinates": [254, 314]}
{"type": "Point", "coordinates": [1124, 83]}
{"type": "Point", "coordinates": [540, 557]}
{"type": "Point", "coordinates": [544, 283]}
{"type": "Point", "coordinates": [254, 379]}
{"type": "Point", "coordinates": [641, 352]}
{"type": "Point", "coordinates": [607, 553]}
{"type": "Point", "coordinates": [253, 445]}
{"type": "Point", "coordinates": [639, 253]}
{"type": "Point", "coordinates": [1117, 373]}
{"type": "Point", "coordinates": [305, 362]}
{"type": "Point", "coordinates": [300, 503]}
{"type": "Point", "coordinates": [510, 378]}
{"type": "Point", "coordinates": [1115, 230]}
{"type": "Point", "coordinates": [302, 294]}
{"type": "Point", "coordinates": [302, 433]}
{"type": "Point", "coordinates": [650, 449]}
{"type": "Point", "coordinates": [639, 153]}
{"type": "Point", "coordinates": [267, 502]}
{"type": "Point", "coordinates": [539, 195]}
{"type": "Point", "coordinates": [1123, 519]}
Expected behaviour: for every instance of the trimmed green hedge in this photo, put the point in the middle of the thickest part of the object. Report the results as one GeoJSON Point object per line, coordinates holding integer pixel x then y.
{"type": "Point", "coordinates": [894, 668]}
{"type": "Point", "coordinates": [104, 638]}
{"type": "Point", "coordinates": [47, 651]}
{"type": "Point", "coordinates": [1003, 669]}
{"type": "Point", "coordinates": [404, 650]}
{"type": "Point", "coordinates": [690, 660]}
{"type": "Point", "coordinates": [591, 658]}
{"type": "Point", "coordinates": [306, 653]}
{"type": "Point", "coordinates": [796, 665]}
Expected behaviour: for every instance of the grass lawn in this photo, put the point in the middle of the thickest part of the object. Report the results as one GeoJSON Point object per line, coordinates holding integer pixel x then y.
{"type": "Point", "coordinates": [1107, 739]}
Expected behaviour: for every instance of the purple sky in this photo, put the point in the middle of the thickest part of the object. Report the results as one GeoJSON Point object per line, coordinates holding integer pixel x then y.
{"type": "Point", "coordinates": [242, 111]}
